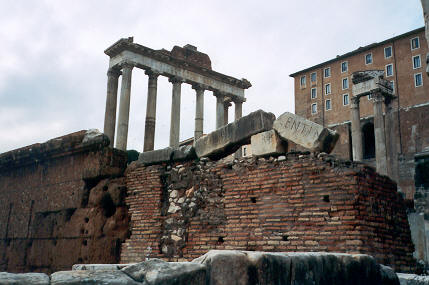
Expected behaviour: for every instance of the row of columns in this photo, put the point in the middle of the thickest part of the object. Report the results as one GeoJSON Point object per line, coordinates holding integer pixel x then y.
{"type": "Point", "coordinates": [379, 131]}
{"type": "Point", "coordinates": [222, 106]}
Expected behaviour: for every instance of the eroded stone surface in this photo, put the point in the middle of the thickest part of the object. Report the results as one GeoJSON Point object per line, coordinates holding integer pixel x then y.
{"type": "Point", "coordinates": [228, 139]}
{"type": "Point", "coordinates": [305, 133]}
{"type": "Point", "coordinates": [159, 272]}
{"type": "Point", "coordinates": [79, 277]}
{"type": "Point", "coordinates": [412, 279]}
{"type": "Point", "coordinates": [267, 143]}
{"type": "Point", "coordinates": [156, 156]}
{"type": "Point", "coordinates": [24, 278]}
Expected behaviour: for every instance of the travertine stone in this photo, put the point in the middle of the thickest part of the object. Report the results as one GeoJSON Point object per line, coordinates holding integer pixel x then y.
{"type": "Point", "coordinates": [149, 132]}
{"type": "Point", "coordinates": [368, 82]}
{"type": "Point", "coordinates": [175, 112]}
{"type": "Point", "coordinates": [111, 102]}
{"type": "Point", "coordinates": [24, 278]}
{"type": "Point", "coordinates": [124, 108]}
{"type": "Point", "coordinates": [267, 143]}
{"type": "Point", "coordinates": [156, 156]}
{"type": "Point", "coordinates": [229, 138]}
{"type": "Point", "coordinates": [77, 277]}
{"type": "Point", "coordinates": [305, 133]}
{"type": "Point", "coordinates": [356, 130]}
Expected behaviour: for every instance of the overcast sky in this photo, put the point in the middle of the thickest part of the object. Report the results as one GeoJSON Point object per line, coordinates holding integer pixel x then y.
{"type": "Point", "coordinates": [53, 68]}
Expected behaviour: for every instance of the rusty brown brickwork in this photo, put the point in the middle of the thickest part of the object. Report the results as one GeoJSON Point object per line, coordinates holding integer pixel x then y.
{"type": "Point", "coordinates": [303, 203]}
{"type": "Point", "coordinates": [54, 204]}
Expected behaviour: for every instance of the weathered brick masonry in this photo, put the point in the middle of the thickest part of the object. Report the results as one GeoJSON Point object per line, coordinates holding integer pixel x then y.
{"type": "Point", "coordinates": [60, 204]}
{"type": "Point", "coordinates": [303, 203]}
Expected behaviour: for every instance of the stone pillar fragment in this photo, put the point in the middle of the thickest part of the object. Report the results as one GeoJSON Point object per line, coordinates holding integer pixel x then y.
{"type": "Point", "coordinates": [149, 131]}
{"type": "Point", "coordinates": [379, 133]}
{"type": "Point", "coordinates": [220, 111]}
{"type": "Point", "coordinates": [356, 130]}
{"type": "Point", "coordinates": [238, 110]}
{"type": "Point", "coordinates": [226, 106]}
{"type": "Point", "coordinates": [111, 102]}
{"type": "Point", "coordinates": [390, 124]}
{"type": "Point", "coordinates": [175, 112]}
{"type": "Point", "coordinates": [124, 107]}
{"type": "Point", "coordinates": [199, 111]}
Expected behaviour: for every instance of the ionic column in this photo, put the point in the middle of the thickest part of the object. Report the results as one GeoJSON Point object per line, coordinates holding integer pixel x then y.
{"type": "Point", "coordinates": [226, 106]}
{"type": "Point", "coordinates": [238, 110]}
{"type": "Point", "coordinates": [380, 140]}
{"type": "Point", "coordinates": [175, 112]}
{"type": "Point", "coordinates": [111, 101]}
{"type": "Point", "coordinates": [149, 130]}
{"type": "Point", "coordinates": [220, 111]}
{"type": "Point", "coordinates": [199, 111]}
{"type": "Point", "coordinates": [124, 107]}
{"type": "Point", "coordinates": [356, 130]}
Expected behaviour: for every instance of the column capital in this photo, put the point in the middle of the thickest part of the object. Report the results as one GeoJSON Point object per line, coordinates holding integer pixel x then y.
{"type": "Point", "coordinates": [219, 94]}
{"type": "Point", "coordinates": [152, 74]}
{"type": "Point", "coordinates": [355, 102]}
{"type": "Point", "coordinates": [113, 72]}
{"type": "Point", "coordinates": [175, 79]}
{"type": "Point", "coordinates": [378, 97]}
{"type": "Point", "coordinates": [127, 64]}
{"type": "Point", "coordinates": [199, 86]}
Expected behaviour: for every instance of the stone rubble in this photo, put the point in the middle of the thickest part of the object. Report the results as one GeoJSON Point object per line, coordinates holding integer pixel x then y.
{"type": "Point", "coordinates": [225, 267]}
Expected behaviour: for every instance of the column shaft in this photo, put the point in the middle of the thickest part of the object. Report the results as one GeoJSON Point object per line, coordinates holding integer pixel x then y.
{"type": "Point", "coordinates": [356, 130]}
{"type": "Point", "coordinates": [111, 102]}
{"type": "Point", "coordinates": [225, 112]}
{"type": "Point", "coordinates": [379, 133]}
{"type": "Point", "coordinates": [391, 143]}
{"type": "Point", "coordinates": [175, 113]}
{"type": "Point", "coordinates": [199, 113]}
{"type": "Point", "coordinates": [124, 108]}
{"type": "Point", "coordinates": [238, 110]}
{"type": "Point", "coordinates": [220, 111]}
{"type": "Point", "coordinates": [149, 131]}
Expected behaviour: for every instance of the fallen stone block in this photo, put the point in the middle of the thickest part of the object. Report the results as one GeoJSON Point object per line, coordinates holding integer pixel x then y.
{"type": "Point", "coordinates": [78, 277]}
{"type": "Point", "coordinates": [412, 279]}
{"type": "Point", "coordinates": [305, 133]}
{"type": "Point", "coordinates": [186, 152]}
{"type": "Point", "coordinates": [156, 156]}
{"type": "Point", "coordinates": [226, 140]}
{"type": "Point", "coordinates": [267, 143]}
{"type": "Point", "coordinates": [102, 267]}
{"type": "Point", "coordinates": [159, 272]}
{"type": "Point", "coordinates": [24, 278]}
{"type": "Point", "coordinates": [263, 268]}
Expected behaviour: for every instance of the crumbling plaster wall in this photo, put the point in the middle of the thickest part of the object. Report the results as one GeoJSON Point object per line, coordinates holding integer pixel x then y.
{"type": "Point", "coordinates": [292, 203]}
{"type": "Point", "coordinates": [60, 204]}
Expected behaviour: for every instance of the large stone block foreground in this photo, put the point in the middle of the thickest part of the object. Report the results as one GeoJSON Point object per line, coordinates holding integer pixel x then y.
{"type": "Point", "coordinates": [305, 133]}
{"type": "Point", "coordinates": [229, 138]}
{"type": "Point", "coordinates": [228, 267]}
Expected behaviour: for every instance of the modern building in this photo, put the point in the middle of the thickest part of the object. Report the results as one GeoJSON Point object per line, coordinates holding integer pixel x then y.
{"type": "Point", "coordinates": [323, 94]}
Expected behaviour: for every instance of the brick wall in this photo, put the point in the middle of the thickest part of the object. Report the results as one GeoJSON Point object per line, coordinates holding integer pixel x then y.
{"type": "Point", "coordinates": [53, 213]}
{"type": "Point", "coordinates": [302, 203]}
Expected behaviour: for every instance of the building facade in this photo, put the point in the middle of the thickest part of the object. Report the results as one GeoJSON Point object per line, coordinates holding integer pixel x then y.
{"type": "Point", "coordinates": [323, 94]}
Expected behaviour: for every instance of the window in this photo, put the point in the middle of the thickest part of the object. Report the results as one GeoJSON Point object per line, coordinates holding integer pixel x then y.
{"type": "Point", "coordinates": [418, 80]}
{"type": "Point", "coordinates": [415, 43]}
{"type": "Point", "coordinates": [392, 85]}
{"type": "Point", "coordinates": [327, 88]}
{"type": "Point", "coordinates": [344, 66]}
{"type": "Point", "coordinates": [345, 99]}
{"type": "Point", "coordinates": [368, 58]}
{"type": "Point", "coordinates": [313, 77]}
{"type": "Point", "coordinates": [389, 70]}
{"type": "Point", "coordinates": [327, 72]}
{"type": "Point", "coordinates": [345, 83]}
{"type": "Point", "coordinates": [314, 108]}
{"type": "Point", "coordinates": [417, 62]}
{"type": "Point", "coordinates": [387, 52]}
{"type": "Point", "coordinates": [302, 82]}
{"type": "Point", "coordinates": [313, 93]}
{"type": "Point", "coordinates": [370, 96]}
{"type": "Point", "coordinates": [328, 105]}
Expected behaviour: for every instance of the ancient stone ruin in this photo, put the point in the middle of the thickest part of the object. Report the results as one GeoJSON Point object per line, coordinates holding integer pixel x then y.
{"type": "Point", "coordinates": [217, 217]}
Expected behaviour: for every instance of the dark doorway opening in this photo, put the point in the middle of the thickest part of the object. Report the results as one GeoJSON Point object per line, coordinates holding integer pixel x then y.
{"type": "Point", "coordinates": [368, 140]}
